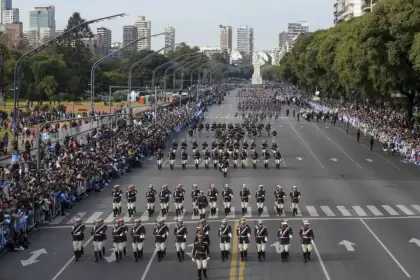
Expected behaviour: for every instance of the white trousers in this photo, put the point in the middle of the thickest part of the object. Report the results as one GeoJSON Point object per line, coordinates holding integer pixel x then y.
{"type": "Point", "coordinates": [116, 205]}
{"type": "Point", "coordinates": [202, 211]}
{"type": "Point", "coordinates": [159, 161]}
{"type": "Point", "coordinates": [149, 205]}
{"type": "Point", "coordinates": [164, 206]}
{"type": "Point", "coordinates": [260, 204]}
{"type": "Point", "coordinates": [179, 205]}
{"type": "Point", "coordinates": [194, 205]}
{"type": "Point", "coordinates": [118, 247]}
{"type": "Point", "coordinates": [261, 247]}
{"type": "Point", "coordinates": [279, 205]}
{"type": "Point", "coordinates": [295, 205]}
{"type": "Point", "coordinates": [224, 170]}
{"type": "Point", "coordinates": [98, 245]}
{"type": "Point", "coordinates": [307, 248]}
{"type": "Point", "coordinates": [226, 204]}
{"type": "Point", "coordinates": [180, 246]}
{"type": "Point", "coordinates": [243, 247]}
{"type": "Point", "coordinates": [171, 162]}
{"type": "Point", "coordinates": [130, 205]}
{"type": "Point", "coordinates": [77, 245]}
{"type": "Point", "coordinates": [201, 264]}
{"type": "Point", "coordinates": [277, 161]}
{"type": "Point", "coordinates": [137, 246]}
{"type": "Point", "coordinates": [244, 204]}
{"type": "Point", "coordinates": [224, 246]}
{"type": "Point", "coordinates": [284, 248]}
{"type": "Point", "coordinates": [160, 246]}
{"type": "Point", "coordinates": [196, 161]}
{"type": "Point", "coordinates": [213, 204]}
{"type": "Point", "coordinates": [266, 161]}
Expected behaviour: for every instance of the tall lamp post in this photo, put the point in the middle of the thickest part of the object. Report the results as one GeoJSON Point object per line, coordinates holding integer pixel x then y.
{"type": "Point", "coordinates": [209, 71]}
{"type": "Point", "coordinates": [183, 67]}
{"type": "Point", "coordinates": [40, 48]}
{"type": "Point", "coordinates": [96, 64]}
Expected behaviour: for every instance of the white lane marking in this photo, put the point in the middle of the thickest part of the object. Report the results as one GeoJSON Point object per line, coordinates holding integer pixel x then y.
{"type": "Point", "coordinates": [232, 213]}
{"type": "Point", "coordinates": [265, 213]}
{"type": "Point", "coordinates": [312, 211]}
{"type": "Point", "coordinates": [249, 213]}
{"type": "Point", "coordinates": [214, 216]}
{"type": "Point", "coordinates": [70, 261]}
{"type": "Point", "coordinates": [126, 218]}
{"type": "Point", "coordinates": [390, 210]}
{"type": "Point", "coordinates": [374, 210]}
{"type": "Point", "coordinates": [370, 160]}
{"type": "Point", "coordinates": [327, 210]}
{"type": "Point", "coordinates": [417, 207]}
{"type": "Point", "coordinates": [332, 141]}
{"type": "Point", "coordinates": [149, 264]}
{"type": "Point", "coordinates": [359, 210]}
{"type": "Point", "coordinates": [344, 211]}
{"type": "Point", "coordinates": [309, 149]}
{"type": "Point", "coordinates": [193, 217]}
{"type": "Point", "coordinates": [58, 220]}
{"type": "Point", "coordinates": [109, 219]}
{"type": "Point", "coordinates": [78, 215]}
{"type": "Point", "coordinates": [405, 210]}
{"type": "Point", "coordinates": [93, 217]}
{"type": "Point", "coordinates": [385, 248]}
{"type": "Point", "coordinates": [145, 216]}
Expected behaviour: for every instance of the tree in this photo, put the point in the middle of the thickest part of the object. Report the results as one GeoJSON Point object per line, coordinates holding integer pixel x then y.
{"type": "Point", "coordinates": [48, 86]}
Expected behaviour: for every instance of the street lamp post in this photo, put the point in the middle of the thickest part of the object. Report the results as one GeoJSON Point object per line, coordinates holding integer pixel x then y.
{"type": "Point", "coordinates": [96, 64]}
{"type": "Point", "coordinates": [40, 48]}
{"type": "Point", "coordinates": [188, 56]}
{"type": "Point", "coordinates": [183, 67]}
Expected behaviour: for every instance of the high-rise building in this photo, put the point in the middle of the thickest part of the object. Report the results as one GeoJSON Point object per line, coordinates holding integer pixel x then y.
{"type": "Point", "coordinates": [169, 38]}
{"type": "Point", "coordinates": [11, 16]}
{"type": "Point", "coordinates": [226, 37]}
{"type": "Point", "coordinates": [245, 42]}
{"type": "Point", "coordinates": [130, 34]}
{"type": "Point", "coordinates": [294, 29]}
{"type": "Point", "coordinates": [346, 10]}
{"type": "Point", "coordinates": [144, 30]}
{"type": "Point", "coordinates": [4, 6]}
{"type": "Point", "coordinates": [282, 38]}
{"type": "Point", "coordinates": [42, 19]}
{"type": "Point", "coordinates": [104, 40]}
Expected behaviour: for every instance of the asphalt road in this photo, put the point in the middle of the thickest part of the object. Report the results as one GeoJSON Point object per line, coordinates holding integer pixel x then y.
{"type": "Point", "coordinates": [363, 207]}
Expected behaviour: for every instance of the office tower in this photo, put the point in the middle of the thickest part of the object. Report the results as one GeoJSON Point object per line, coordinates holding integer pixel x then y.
{"type": "Point", "coordinates": [245, 42]}
{"type": "Point", "coordinates": [144, 29]}
{"type": "Point", "coordinates": [104, 40]}
{"type": "Point", "coordinates": [42, 19]}
{"type": "Point", "coordinates": [4, 6]}
{"type": "Point", "coordinates": [169, 38]}
{"type": "Point", "coordinates": [282, 38]}
{"type": "Point", "coordinates": [130, 34]}
{"type": "Point", "coordinates": [295, 29]}
{"type": "Point", "coordinates": [226, 37]}
{"type": "Point", "coordinates": [11, 16]}
{"type": "Point", "coordinates": [346, 10]}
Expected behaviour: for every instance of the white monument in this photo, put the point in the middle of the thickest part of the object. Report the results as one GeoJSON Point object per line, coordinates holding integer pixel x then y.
{"type": "Point", "coordinates": [259, 59]}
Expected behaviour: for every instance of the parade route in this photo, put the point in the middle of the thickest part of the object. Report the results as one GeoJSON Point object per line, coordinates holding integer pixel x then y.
{"type": "Point", "coordinates": [364, 208]}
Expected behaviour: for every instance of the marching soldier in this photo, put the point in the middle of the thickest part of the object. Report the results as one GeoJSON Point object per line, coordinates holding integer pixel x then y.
{"type": "Point", "coordinates": [119, 238]}
{"type": "Point", "coordinates": [164, 200]}
{"type": "Point", "coordinates": [151, 198]}
{"type": "Point", "coordinates": [99, 236]}
{"type": "Point", "coordinates": [204, 226]}
{"type": "Point", "coordinates": [307, 237]}
{"type": "Point", "coordinates": [260, 197]}
{"type": "Point", "coordinates": [78, 236]}
{"type": "Point", "coordinates": [180, 232]}
{"type": "Point", "coordinates": [261, 235]}
{"type": "Point", "coordinates": [200, 232]}
{"type": "Point", "coordinates": [244, 233]}
{"type": "Point", "coordinates": [225, 234]}
{"type": "Point", "coordinates": [200, 255]}
{"type": "Point", "coordinates": [284, 234]}
{"type": "Point", "coordinates": [138, 234]}
{"type": "Point", "coordinates": [245, 194]}
{"type": "Point", "coordinates": [179, 200]}
{"type": "Point", "coordinates": [227, 195]}
{"type": "Point", "coordinates": [159, 157]}
{"type": "Point", "coordinates": [116, 202]}
{"type": "Point", "coordinates": [131, 200]}
{"type": "Point", "coordinates": [195, 193]}
{"type": "Point", "coordinates": [161, 232]}
{"type": "Point", "coordinates": [212, 194]}
{"type": "Point", "coordinates": [202, 204]}
{"type": "Point", "coordinates": [279, 195]}
{"type": "Point", "coordinates": [295, 195]}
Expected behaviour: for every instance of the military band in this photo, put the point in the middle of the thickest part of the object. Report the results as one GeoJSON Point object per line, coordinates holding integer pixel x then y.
{"type": "Point", "coordinates": [138, 234]}
{"type": "Point", "coordinates": [78, 236]}
{"type": "Point", "coordinates": [99, 236]}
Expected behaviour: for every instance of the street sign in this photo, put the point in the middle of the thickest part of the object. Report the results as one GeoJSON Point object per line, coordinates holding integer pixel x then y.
{"type": "Point", "coordinates": [348, 245]}
{"type": "Point", "coordinates": [34, 258]}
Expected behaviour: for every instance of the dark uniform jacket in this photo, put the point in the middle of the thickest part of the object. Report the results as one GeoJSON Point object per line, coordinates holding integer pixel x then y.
{"type": "Point", "coordinates": [261, 234]}
{"type": "Point", "coordinates": [180, 233]}
{"type": "Point", "coordinates": [201, 251]}
{"type": "Point", "coordinates": [131, 196]}
{"type": "Point", "coordinates": [284, 235]}
{"type": "Point", "coordinates": [117, 194]}
{"type": "Point", "coordinates": [306, 235]}
{"type": "Point", "coordinates": [138, 234]}
{"type": "Point", "coordinates": [224, 234]}
{"type": "Point", "coordinates": [161, 233]}
{"type": "Point", "coordinates": [78, 232]}
{"type": "Point", "coordinates": [243, 234]}
{"type": "Point", "coordinates": [99, 233]}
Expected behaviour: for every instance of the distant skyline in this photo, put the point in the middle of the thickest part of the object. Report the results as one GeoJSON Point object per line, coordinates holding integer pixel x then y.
{"type": "Point", "coordinates": [197, 24]}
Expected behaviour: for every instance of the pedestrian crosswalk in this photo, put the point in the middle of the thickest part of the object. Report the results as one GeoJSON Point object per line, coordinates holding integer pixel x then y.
{"type": "Point", "coordinates": [236, 212]}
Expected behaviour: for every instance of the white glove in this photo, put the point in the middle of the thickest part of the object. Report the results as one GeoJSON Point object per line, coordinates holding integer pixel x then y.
{"type": "Point", "coordinates": [230, 235]}
{"type": "Point", "coordinates": [208, 258]}
{"type": "Point", "coordinates": [193, 260]}
{"type": "Point", "coordinates": [290, 236]}
{"type": "Point", "coordinates": [249, 235]}
{"type": "Point", "coordinates": [265, 239]}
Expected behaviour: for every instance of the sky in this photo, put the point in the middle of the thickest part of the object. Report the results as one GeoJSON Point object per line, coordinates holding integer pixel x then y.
{"type": "Point", "coordinates": [196, 22]}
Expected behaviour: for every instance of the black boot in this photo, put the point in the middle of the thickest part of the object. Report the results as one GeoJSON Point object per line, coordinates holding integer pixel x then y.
{"type": "Point", "coordinates": [129, 213]}
{"type": "Point", "coordinates": [136, 256]}
{"type": "Point", "coordinates": [243, 211]}
{"type": "Point", "coordinates": [178, 254]}
{"type": "Point", "coordinates": [263, 256]}
{"type": "Point", "coordinates": [242, 256]}
{"type": "Point", "coordinates": [119, 211]}
{"type": "Point", "coordinates": [134, 210]}
{"type": "Point", "coordinates": [159, 253]}
{"type": "Point", "coordinates": [182, 254]}
{"type": "Point", "coordinates": [115, 212]}
{"type": "Point", "coordinates": [103, 251]}
{"type": "Point", "coordinates": [259, 256]}
{"type": "Point", "coordinates": [117, 258]}
{"type": "Point", "coordinates": [125, 251]}
{"type": "Point", "coordinates": [309, 256]}
{"type": "Point", "coordinates": [120, 255]}
{"type": "Point", "coordinates": [100, 255]}
{"type": "Point", "coordinates": [283, 256]}
{"type": "Point", "coordinates": [96, 256]}
{"type": "Point", "coordinates": [223, 256]}
{"type": "Point", "coordinates": [82, 251]}
{"type": "Point", "coordinates": [226, 211]}
{"type": "Point", "coordinates": [246, 255]}
{"type": "Point", "coordinates": [205, 272]}
{"type": "Point", "coordinates": [305, 259]}
{"type": "Point", "coordinates": [199, 274]}
{"type": "Point", "coordinates": [76, 256]}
